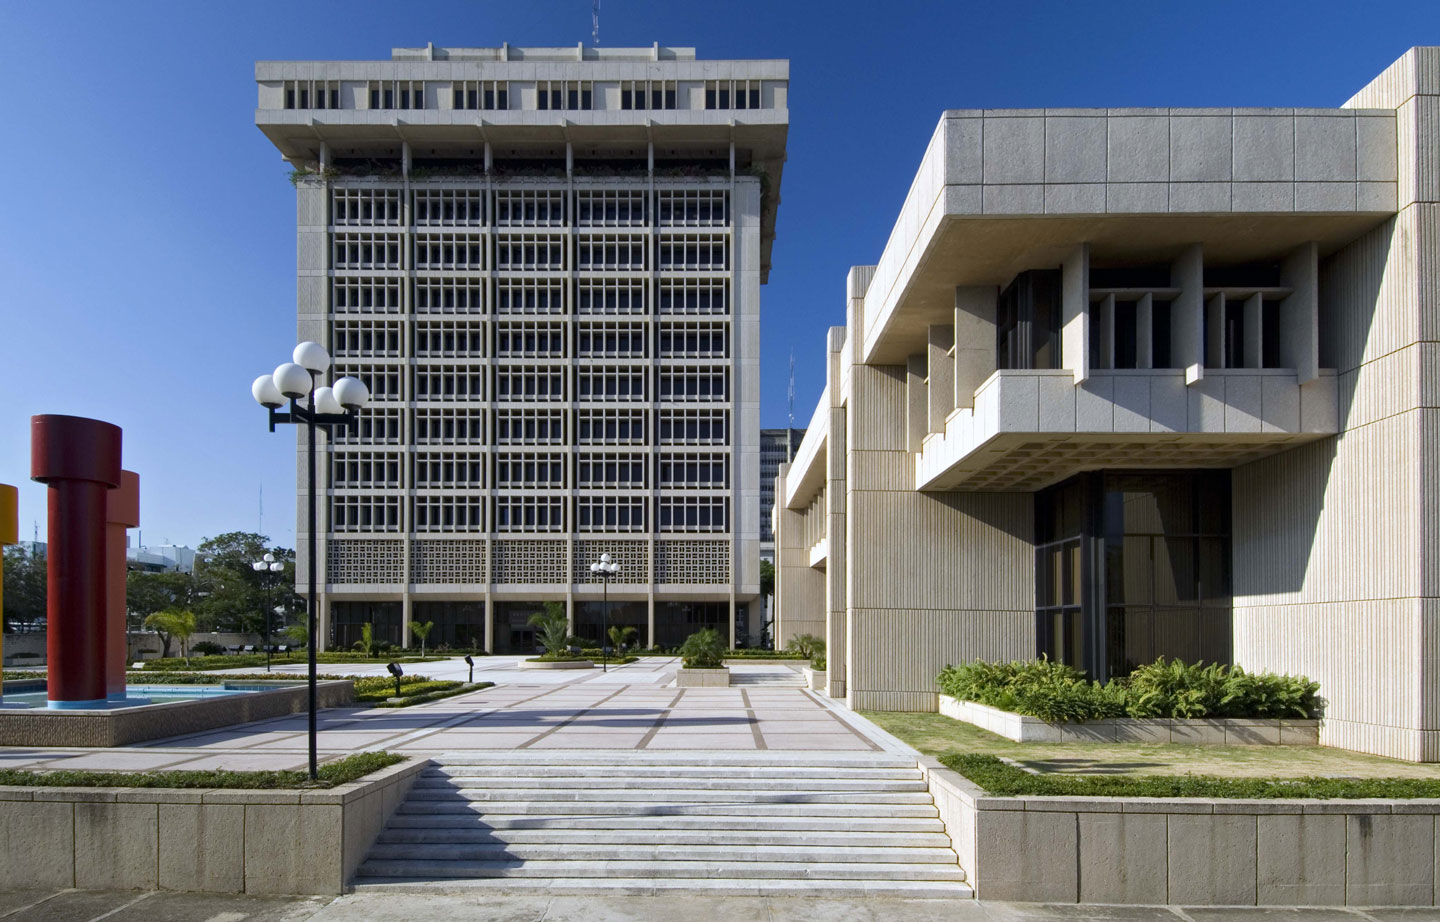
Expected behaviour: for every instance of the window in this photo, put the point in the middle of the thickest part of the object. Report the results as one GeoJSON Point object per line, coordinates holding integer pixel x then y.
{"type": "Point", "coordinates": [693, 470]}
{"type": "Point", "coordinates": [732, 94]}
{"type": "Point", "coordinates": [365, 206]}
{"type": "Point", "coordinates": [449, 296]}
{"type": "Point", "coordinates": [449, 469]}
{"type": "Point", "coordinates": [352, 250]}
{"type": "Point", "coordinates": [372, 426]}
{"type": "Point", "coordinates": [312, 94]}
{"type": "Point", "coordinates": [694, 252]}
{"type": "Point", "coordinates": [529, 470]}
{"type": "Point", "coordinates": [597, 426]}
{"type": "Point", "coordinates": [365, 469]}
{"type": "Point", "coordinates": [365, 338]}
{"type": "Point", "coordinates": [480, 94]}
{"type": "Point", "coordinates": [441, 251]}
{"type": "Point", "coordinates": [450, 382]}
{"type": "Point", "coordinates": [365, 295]}
{"type": "Point", "coordinates": [611, 251]}
{"type": "Point", "coordinates": [610, 382]}
{"type": "Point", "coordinates": [530, 296]}
{"type": "Point", "coordinates": [529, 427]}
{"type": "Point", "coordinates": [525, 208]}
{"type": "Point", "coordinates": [364, 513]}
{"type": "Point", "coordinates": [529, 382]}
{"type": "Point", "coordinates": [694, 427]}
{"type": "Point", "coordinates": [610, 513]}
{"type": "Point", "coordinates": [529, 339]}
{"type": "Point", "coordinates": [529, 513]}
{"type": "Point", "coordinates": [611, 340]}
{"type": "Point", "coordinates": [694, 340]}
{"type": "Point", "coordinates": [449, 208]}
{"type": "Point", "coordinates": [611, 471]}
{"type": "Point", "coordinates": [450, 426]}
{"type": "Point", "coordinates": [382, 380]}
{"type": "Point", "coordinates": [1028, 316]}
{"type": "Point", "coordinates": [564, 95]}
{"type": "Point", "coordinates": [397, 94]}
{"type": "Point", "coordinates": [689, 383]}
{"type": "Point", "coordinates": [611, 296]}
{"type": "Point", "coordinates": [449, 339]}
{"type": "Point", "coordinates": [529, 251]}
{"type": "Point", "coordinates": [648, 94]}
{"type": "Point", "coordinates": [449, 512]}
{"type": "Point", "coordinates": [694, 296]}
{"type": "Point", "coordinates": [610, 208]}
{"type": "Point", "coordinates": [694, 207]}
{"type": "Point", "coordinates": [693, 513]}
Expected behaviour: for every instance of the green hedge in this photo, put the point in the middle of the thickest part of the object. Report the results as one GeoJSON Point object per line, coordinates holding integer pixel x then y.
{"type": "Point", "coordinates": [178, 664]}
{"type": "Point", "coordinates": [452, 689]}
{"type": "Point", "coordinates": [341, 771]}
{"type": "Point", "coordinates": [1005, 780]}
{"type": "Point", "coordinates": [1058, 693]}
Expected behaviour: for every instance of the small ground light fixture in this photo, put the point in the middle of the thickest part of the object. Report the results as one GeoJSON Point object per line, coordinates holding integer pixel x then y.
{"type": "Point", "coordinates": [397, 672]}
{"type": "Point", "coordinates": [470, 661]}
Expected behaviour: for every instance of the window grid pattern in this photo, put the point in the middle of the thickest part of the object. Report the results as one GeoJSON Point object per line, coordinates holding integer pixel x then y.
{"type": "Point", "coordinates": [396, 94]}
{"type": "Point", "coordinates": [612, 340]}
{"type": "Point", "coordinates": [450, 426]}
{"type": "Point", "coordinates": [365, 469]}
{"type": "Point", "coordinates": [480, 94]}
{"type": "Point", "coordinates": [449, 208]}
{"type": "Point", "coordinates": [605, 426]}
{"type": "Point", "coordinates": [692, 513]}
{"type": "Point", "coordinates": [463, 339]}
{"type": "Point", "coordinates": [351, 295]}
{"type": "Point", "coordinates": [362, 250]}
{"type": "Point", "coordinates": [449, 296]}
{"type": "Point", "coordinates": [529, 513]}
{"type": "Point", "coordinates": [312, 94]}
{"type": "Point", "coordinates": [611, 512]}
{"type": "Point", "coordinates": [364, 513]}
{"type": "Point", "coordinates": [365, 339]}
{"type": "Point", "coordinates": [450, 382]}
{"type": "Point", "coordinates": [450, 470]}
{"type": "Point", "coordinates": [701, 339]}
{"type": "Point", "coordinates": [366, 207]}
{"type": "Point", "coordinates": [612, 296]}
{"type": "Point", "coordinates": [449, 512]}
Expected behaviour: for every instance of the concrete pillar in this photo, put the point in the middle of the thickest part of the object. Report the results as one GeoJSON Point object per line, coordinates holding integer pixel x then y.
{"type": "Point", "coordinates": [940, 337]}
{"type": "Point", "coordinates": [1075, 313]}
{"type": "Point", "coordinates": [1187, 313]}
{"type": "Point", "coordinates": [322, 629]}
{"type": "Point", "coordinates": [489, 622]}
{"type": "Point", "coordinates": [324, 155]}
{"type": "Point", "coordinates": [1215, 332]}
{"type": "Point", "coordinates": [122, 511]}
{"type": "Point", "coordinates": [917, 409]}
{"type": "Point", "coordinates": [1254, 332]}
{"type": "Point", "coordinates": [489, 158]}
{"type": "Point", "coordinates": [405, 159]}
{"type": "Point", "coordinates": [407, 616]}
{"type": "Point", "coordinates": [1300, 313]}
{"type": "Point", "coordinates": [79, 460]}
{"type": "Point", "coordinates": [650, 618]}
{"type": "Point", "coordinates": [1145, 331]}
{"type": "Point", "coordinates": [1103, 331]}
{"type": "Point", "coordinates": [569, 159]}
{"type": "Point", "coordinates": [974, 340]}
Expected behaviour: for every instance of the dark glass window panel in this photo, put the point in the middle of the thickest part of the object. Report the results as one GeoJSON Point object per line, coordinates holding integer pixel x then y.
{"type": "Point", "coordinates": [1270, 335]}
{"type": "Point", "coordinates": [1125, 335]}
{"type": "Point", "coordinates": [1160, 330]}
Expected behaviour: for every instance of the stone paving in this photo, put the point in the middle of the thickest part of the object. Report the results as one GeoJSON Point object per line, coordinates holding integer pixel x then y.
{"type": "Point", "coordinates": [631, 707]}
{"type": "Point", "coordinates": [440, 906]}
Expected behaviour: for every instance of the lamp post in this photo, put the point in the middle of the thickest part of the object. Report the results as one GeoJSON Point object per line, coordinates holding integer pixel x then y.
{"type": "Point", "coordinates": [323, 408]}
{"type": "Point", "coordinates": [605, 568]}
{"type": "Point", "coordinates": [268, 564]}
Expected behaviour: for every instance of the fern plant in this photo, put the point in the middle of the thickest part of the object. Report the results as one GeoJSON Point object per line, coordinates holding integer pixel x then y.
{"type": "Point", "coordinates": [703, 650]}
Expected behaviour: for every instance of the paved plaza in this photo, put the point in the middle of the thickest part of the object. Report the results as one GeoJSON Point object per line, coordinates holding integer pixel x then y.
{"type": "Point", "coordinates": [630, 707]}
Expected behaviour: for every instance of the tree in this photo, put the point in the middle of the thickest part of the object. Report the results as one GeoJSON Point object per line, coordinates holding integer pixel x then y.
{"type": "Point", "coordinates": [299, 632]}
{"type": "Point", "coordinates": [703, 650]}
{"type": "Point", "coordinates": [806, 646]}
{"type": "Point", "coordinates": [236, 597]}
{"type": "Point", "coordinates": [176, 623]}
{"type": "Point", "coordinates": [554, 628]}
{"type": "Point", "coordinates": [767, 578]}
{"type": "Point", "coordinates": [621, 635]}
{"type": "Point", "coordinates": [422, 630]}
{"type": "Point", "coordinates": [25, 587]}
{"type": "Point", "coordinates": [367, 643]}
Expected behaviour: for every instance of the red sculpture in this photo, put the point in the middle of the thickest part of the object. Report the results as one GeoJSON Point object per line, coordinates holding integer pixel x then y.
{"type": "Point", "coordinates": [79, 460]}
{"type": "Point", "coordinates": [123, 511]}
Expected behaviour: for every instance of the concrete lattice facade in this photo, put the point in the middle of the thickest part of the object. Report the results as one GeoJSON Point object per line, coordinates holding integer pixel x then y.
{"type": "Point", "coordinates": [1250, 291]}
{"type": "Point", "coordinates": [545, 263]}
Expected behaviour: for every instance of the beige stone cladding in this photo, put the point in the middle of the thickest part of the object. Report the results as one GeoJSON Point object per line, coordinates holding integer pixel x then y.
{"type": "Point", "coordinates": [1336, 543]}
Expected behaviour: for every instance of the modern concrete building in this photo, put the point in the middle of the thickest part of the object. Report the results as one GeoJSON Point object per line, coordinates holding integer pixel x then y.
{"type": "Point", "coordinates": [777, 447]}
{"type": "Point", "coordinates": [546, 265]}
{"type": "Point", "coordinates": [1139, 382]}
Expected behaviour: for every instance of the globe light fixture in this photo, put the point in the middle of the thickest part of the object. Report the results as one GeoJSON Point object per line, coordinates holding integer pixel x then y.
{"type": "Point", "coordinates": [314, 407]}
{"type": "Point", "coordinates": [605, 569]}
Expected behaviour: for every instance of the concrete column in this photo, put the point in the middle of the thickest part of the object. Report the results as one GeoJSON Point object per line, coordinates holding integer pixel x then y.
{"type": "Point", "coordinates": [1145, 331]}
{"type": "Point", "coordinates": [322, 630]}
{"type": "Point", "coordinates": [1300, 313]}
{"type": "Point", "coordinates": [1075, 313]}
{"type": "Point", "coordinates": [1254, 332]}
{"type": "Point", "coordinates": [489, 158]}
{"type": "Point", "coordinates": [650, 617]}
{"type": "Point", "coordinates": [917, 409]}
{"type": "Point", "coordinates": [1187, 313]}
{"type": "Point", "coordinates": [974, 340]}
{"type": "Point", "coordinates": [569, 159]}
{"type": "Point", "coordinates": [324, 155]}
{"type": "Point", "coordinates": [405, 159]}
{"type": "Point", "coordinates": [1104, 331]}
{"type": "Point", "coordinates": [489, 622]}
{"type": "Point", "coordinates": [1215, 356]}
{"type": "Point", "coordinates": [941, 372]}
{"type": "Point", "coordinates": [407, 616]}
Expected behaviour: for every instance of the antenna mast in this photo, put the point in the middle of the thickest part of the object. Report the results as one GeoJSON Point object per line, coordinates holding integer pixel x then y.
{"type": "Point", "coordinates": [789, 439]}
{"type": "Point", "coordinates": [595, 22]}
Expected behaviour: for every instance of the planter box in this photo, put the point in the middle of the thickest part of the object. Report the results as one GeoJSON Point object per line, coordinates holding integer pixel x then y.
{"type": "Point", "coordinates": [1222, 731]}
{"type": "Point", "coordinates": [814, 678]}
{"type": "Point", "coordinates": [558, 664]}
{"type": "Point", "coordinates": [702, 678]}
{"type": "Point", "coordinates": [217, 841]}
{"type": "Point", "coordinates": [1189, 851]}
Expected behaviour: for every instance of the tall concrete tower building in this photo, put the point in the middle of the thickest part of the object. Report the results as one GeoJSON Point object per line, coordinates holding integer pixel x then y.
{"type": "Point", "coordinates": [546, 265]}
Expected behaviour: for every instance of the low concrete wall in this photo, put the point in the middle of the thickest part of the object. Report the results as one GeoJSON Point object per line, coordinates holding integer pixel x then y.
{"type": "Point", "coordinates": [702, 678]}
{"type": "Point", "coordinates": [227, 841]}
{"type": "Point", "coordinates": [814, 679]}
{"type": "Point", "coordinates": [1222, 731]}
{"type": "Point", "coordinates": [122, 726]}
{"type": "Point", "coordinates": [141, 645]}
{"type": "Point", "coordinates": [1190, 851]}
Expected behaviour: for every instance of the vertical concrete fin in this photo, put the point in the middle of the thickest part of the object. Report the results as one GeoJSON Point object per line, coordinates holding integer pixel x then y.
{"type": "Point", "coordinates": [1075, 313]}
{"type": "Point", "coordinates": [1214, 355]}
{"type": "Point", "coordinates": [1104, 332]}
{"type": "Point", "coordinates": [941, 372]}
{"type": "Point", "coordinates": [974, 340]}
{"type": "Point", "coordinates": [1254, 330]}
{"type": "Point", "coordinates": [1145, 331]}
{"type": "Point", "coordinates": [1300, 313]}
{"type": "Point", "coordinates": [916, 405]}
{"type": "Point", "coordinates": [1187, 311]}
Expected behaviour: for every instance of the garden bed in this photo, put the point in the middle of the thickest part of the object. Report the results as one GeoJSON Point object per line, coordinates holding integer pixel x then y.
{"type": "Point", "coordinates": [1218, 731]}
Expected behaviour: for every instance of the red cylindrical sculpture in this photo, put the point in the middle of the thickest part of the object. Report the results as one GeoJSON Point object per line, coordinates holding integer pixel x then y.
{"type": "Point", "coordinates": [123, 511]}
{"type": "Point", "coordinates": [79, 460]}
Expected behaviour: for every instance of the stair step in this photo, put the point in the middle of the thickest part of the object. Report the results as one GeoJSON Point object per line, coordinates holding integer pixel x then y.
{"type": "Point", "coordinates": [633, 772]}
{"type": "Point", "coordinates": [667, 808]}
{"type": "Point", "coordinates": [528, 759]}
{"type": "Point", "coordinates": [723, 870]}
{"type": "Point", "coordinates": [636, 886]}
{"type": "Point", "coordinates": [702, 834]}
{"type": "Point", "coordinates": [760, 824]}
{"type": "Point", "coordinates": [663, 784]}
{"type": "Point", "coordinates": [450, 794]}
{"type": "Point", "coordinates": [609, 852]}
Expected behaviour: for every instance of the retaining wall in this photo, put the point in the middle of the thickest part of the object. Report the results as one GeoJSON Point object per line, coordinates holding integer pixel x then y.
{"type": "Point", "coordinates": [1220, 731]}
{"type": "Point", "coordinates": [227, 841]}
{"type": "Point", "coordinates": [1190, 851]}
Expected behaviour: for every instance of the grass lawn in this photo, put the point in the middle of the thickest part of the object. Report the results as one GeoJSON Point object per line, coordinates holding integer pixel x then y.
{"type": "Point", "coordinates": [939, 736]}
{"type": "Point", "coordinates": [340, 771]}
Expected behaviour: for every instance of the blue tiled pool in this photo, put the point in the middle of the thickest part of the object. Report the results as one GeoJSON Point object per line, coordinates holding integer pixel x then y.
{"type": "Point", "coordinates": [138, 695]}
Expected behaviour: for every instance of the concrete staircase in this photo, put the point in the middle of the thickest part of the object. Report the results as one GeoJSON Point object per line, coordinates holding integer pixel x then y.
{"type": "Point", "coordinates": [847, 824]}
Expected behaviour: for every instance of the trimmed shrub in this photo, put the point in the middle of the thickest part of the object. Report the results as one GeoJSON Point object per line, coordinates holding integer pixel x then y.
{"type": "Point", "coordinates": [206, 648]}
{"type": "Point", "coordinates": [1058, 693]}
{"type": "Point", "coordinates": [703, 650]}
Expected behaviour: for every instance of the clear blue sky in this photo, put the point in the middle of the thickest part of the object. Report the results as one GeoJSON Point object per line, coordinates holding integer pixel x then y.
{"type": "Point", "coordinates": [147, 228]}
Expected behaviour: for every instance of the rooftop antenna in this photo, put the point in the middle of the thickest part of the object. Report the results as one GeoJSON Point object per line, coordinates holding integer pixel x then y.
{"type": "Point", "coordinates": [789, 439]}
{"type": "Point", "coordinates": [260, 525]}
{"type": "Point", "coordinates": [595, 22]}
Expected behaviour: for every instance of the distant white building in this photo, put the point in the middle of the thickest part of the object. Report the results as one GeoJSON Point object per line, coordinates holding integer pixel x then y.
{"type": "Point", "coordinates": [161, 558]}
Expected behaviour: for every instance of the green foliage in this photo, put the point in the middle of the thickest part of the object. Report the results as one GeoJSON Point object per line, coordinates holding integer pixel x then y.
{"type": "Point", "coordinates": [818, 663]}
{"type": "Point", "coordinates": [703, 650]}
{"type": "Point", "coordinates": [1006, 780]}
{"type": "Point", "coordinates": [207, 648]}
{"type": "Point", "coordinates": [622, 635]}
{"type": "Point", "coordinates": [173, 624]}
{"type": "Point", "coordinates": [553, 628]}
{"type": "Point", "coordinates": [422, 630]}
{"type": "Point", "coordinates": [1058, 693]}
{"type": "Point", "coordinates": [367, 643]}
{"type": "Point", "coordinates": [341, 771]}
{"type": "Point", "coordinates": [302, 173]}
{"type": "Point", "coordinates": [460, 688]}
{"type": "Point", "coordinates": [767, 578]}
{"type": "Point", "coordinates": [806, 646]}
{"type": "Point", "coordinates": [25, 587]}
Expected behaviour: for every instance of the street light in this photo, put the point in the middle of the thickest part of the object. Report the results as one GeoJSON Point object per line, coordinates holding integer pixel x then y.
{"type": "Point", "coordinates": [268, 564]}
{"type": "Point", "coordinates": [605, 568]}
{"type": "Point", "coordinates": [314, 407]}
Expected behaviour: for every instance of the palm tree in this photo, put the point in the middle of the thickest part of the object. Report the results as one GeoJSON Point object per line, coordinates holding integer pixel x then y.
{"type": "Point", "coordinates": [554, 628]}
{"type": "Point", "coordinates": [177, 623]}
{"type": "Point", "coordinates": [367, 643]}
{"type": "Point", "coordinates": [422, 630]}
{"type": "Point", "coordinates": [621, 636]}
